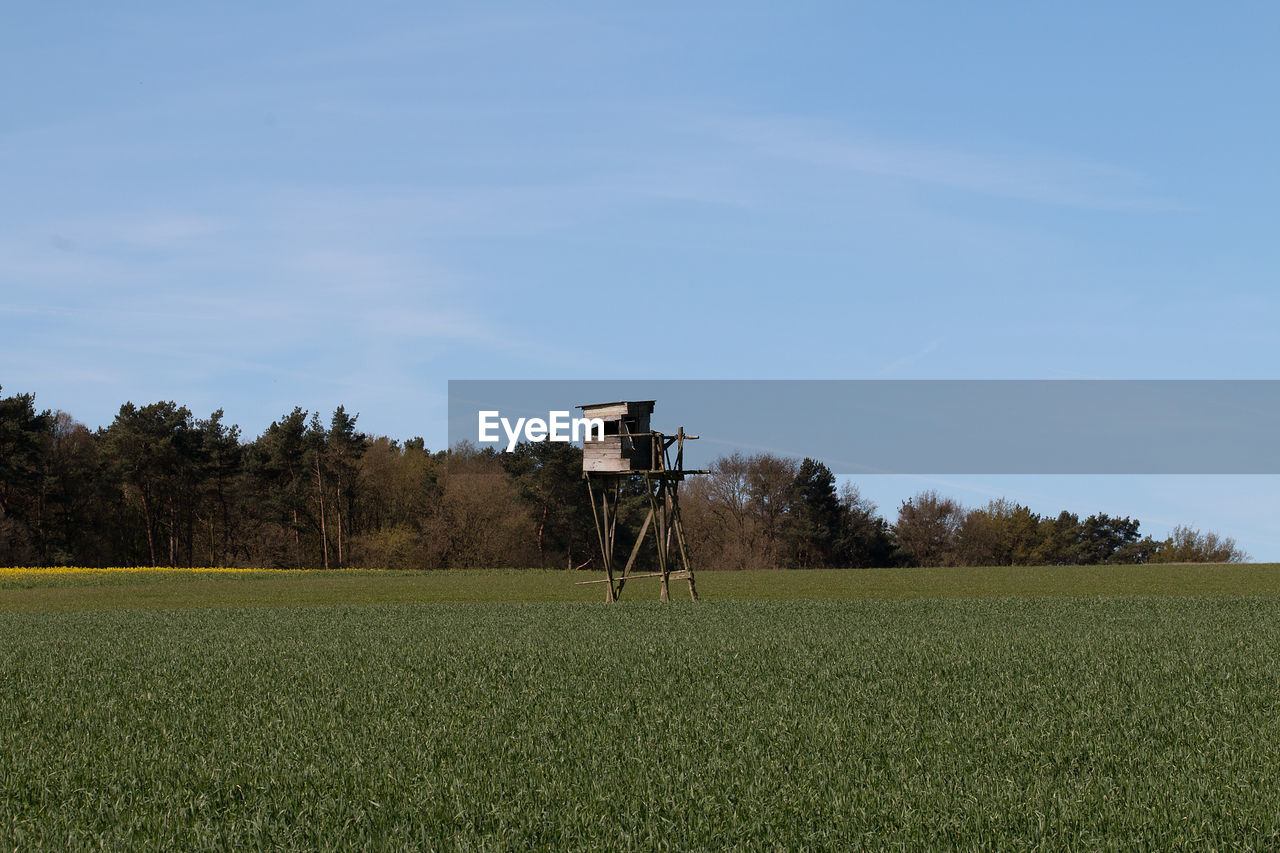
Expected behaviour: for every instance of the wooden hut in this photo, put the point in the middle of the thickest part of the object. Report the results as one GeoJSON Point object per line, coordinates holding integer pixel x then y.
{"type": "Point", "coordinates": [627, 446]}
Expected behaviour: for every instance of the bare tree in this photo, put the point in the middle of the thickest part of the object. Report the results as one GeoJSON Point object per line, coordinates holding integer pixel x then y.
{"type": "Point", "coordinates": [736, 515]}
{"type": "Point", "coordinates": [478, 522]}
{"type": "Point", "coordinates": [928, 529]}
{"type": "Point", "coordinates": [1188, 545]}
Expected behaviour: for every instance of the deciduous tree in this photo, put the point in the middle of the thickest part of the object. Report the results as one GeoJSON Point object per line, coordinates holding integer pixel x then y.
{"type": "Point", "coordinates": [927, 530]}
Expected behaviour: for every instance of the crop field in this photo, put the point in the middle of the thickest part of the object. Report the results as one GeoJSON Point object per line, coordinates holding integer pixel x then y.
{"type": "Point", "coordinates": [46, 590]}
{"type": "Point", "coordinates": [1082, 720]}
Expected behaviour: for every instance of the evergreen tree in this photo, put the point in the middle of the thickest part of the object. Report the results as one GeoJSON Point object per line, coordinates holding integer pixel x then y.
{"type": "Point", "coordinates": [25, 439]}
{"type": "Point", "coordinates": [815, 523]}
{"type": "Point", "coordinates": [278, 466]}
{"type": "Point", "coordinates": [157, 454]}
{"type": "Point", "coordinates": [865, 540]}
{"type": "Point", "coordinates": [548, 477]}
{"type": "Point", "coordinates": [345, 448]}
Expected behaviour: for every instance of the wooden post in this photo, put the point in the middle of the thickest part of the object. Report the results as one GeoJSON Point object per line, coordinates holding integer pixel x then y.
{"type": "Point", "coordinates": [602, 527]}
{"type": "Point", "coordinates": [659, 527]}
{"type": "Point", "coordinates": [680, 543]}
{"type": "Point", "coordinates": [635, 549]}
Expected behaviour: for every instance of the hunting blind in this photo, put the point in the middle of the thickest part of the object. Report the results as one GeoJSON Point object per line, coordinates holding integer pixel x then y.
{"type": "Point", "coordinates": [630, 449]}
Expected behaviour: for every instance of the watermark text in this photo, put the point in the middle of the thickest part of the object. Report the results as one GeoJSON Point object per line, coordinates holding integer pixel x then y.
{"type": "Point", "coordinates": [558, 426]}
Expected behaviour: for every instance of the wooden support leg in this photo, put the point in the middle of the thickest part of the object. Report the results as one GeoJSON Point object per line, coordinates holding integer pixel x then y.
{"type": "Point", "coordinates": [676, 531]}
{"type": "Point", "coordinates": [602, 527]}
{"type": "Point", "coordinates": [659, 522]}
{"type": "Point", "coordinates": [684, 550]}
{"type": "Point", "coordinates": [610, 516]}
{"type": "Point", "coordinates": [635, 549]}
{"type": "Point", "coordinates": [662, 533]}
{"type": "Point", "coordinates": [662, 486]}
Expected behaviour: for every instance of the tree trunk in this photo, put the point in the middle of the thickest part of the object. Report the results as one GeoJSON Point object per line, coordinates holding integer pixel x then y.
{"type": "Point", "coordinates": [40, 543]}
{"type": "Point", "coordinates": [146, 516]}
{"type": "Point", "coordinates": [226, 525]}
{"type": "Point", "coordinates": [339, 481]}
{"type": "Point", "coordinates": [542, 525]}
{"type": "Point", "coordinates": [324, 537]}
{"type": "Point", "coordinates": [173, 534]}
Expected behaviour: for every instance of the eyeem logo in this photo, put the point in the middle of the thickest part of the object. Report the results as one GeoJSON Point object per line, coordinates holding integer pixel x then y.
{"type": "Point", "coordinates": [557, 427]}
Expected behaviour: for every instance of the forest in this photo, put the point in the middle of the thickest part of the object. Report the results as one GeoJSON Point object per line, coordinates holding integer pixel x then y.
{"type": "Point", "coordinates": [159, 486]}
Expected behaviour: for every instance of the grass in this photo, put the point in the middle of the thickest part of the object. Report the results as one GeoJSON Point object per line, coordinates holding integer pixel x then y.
{"type": "Point", "coordinates": [1015, 723]}
{"type": "Point", "coordinates": [26, 590]}
{"type": "Point", "coordinates": [1123, 707]}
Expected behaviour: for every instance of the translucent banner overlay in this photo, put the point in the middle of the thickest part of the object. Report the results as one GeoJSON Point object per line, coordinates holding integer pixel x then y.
{"type": "Point", "coordinates": [929, 426]}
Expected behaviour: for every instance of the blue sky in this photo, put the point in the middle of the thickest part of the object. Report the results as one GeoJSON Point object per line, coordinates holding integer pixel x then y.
{"type": "Point", "coordinates": [257, 206]}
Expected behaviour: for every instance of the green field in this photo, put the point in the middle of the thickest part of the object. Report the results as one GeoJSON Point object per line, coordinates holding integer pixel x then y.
{"type": "Point", "coordinates": [1006, 708]}
{"type": "Point", "coordinates": [79, 590]}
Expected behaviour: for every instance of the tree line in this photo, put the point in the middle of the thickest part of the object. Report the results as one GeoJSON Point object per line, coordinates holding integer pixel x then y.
{"type": "Point", "coordinates": [765, 511]}
{"type": "Point", "coordinates": [160, 486]}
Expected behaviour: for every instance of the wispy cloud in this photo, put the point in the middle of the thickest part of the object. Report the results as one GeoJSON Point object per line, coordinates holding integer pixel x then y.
{"type": "Point", "coordinates": [1044, 179]}
{"type": "Point", "coordinates": [332, 301]}
{"type": "Point", "coordinates": [911, 358]}
{"type": "Point", "coordinates": [450, 324]}
{"type": "Point", "coordinates": [164, 231]}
